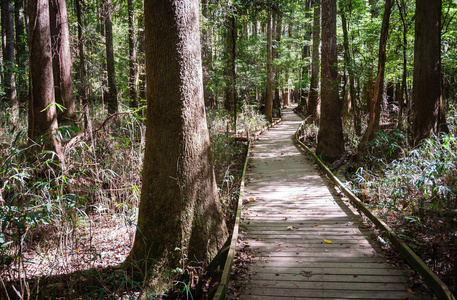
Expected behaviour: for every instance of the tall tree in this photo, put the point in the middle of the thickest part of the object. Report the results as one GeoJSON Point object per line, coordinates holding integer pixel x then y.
{"type": "Point", "coordinates": [306, 53]}
{"type": "Point", "coordinates": [275, 54]}
{"type": "Point", "coordinates": [349, 67]}
{"type": "Point", "coordinates": [230, 71]}
{"type": "Point", "coordinates": [179, 207]}
{"type": "Point", "coordinates": [7, 17]}
{"type": "Point", "coordinates": [330, 137]}
{"type": "Point", "coordinates": [403, 93]}
{"type": "Point", "coordinates": [426, 100]}
{"type": "Point", "coordinates": [21, 49]}
{"type": "Point", "coordinates": [312, 112]}
{"type": "Point", "coordinates": [375, 109]}
{"type": "Point", "coordinates": [82, 65]}
{"type": "Point", "coordinates": [133, 69]}
{"type": "Point", "coordinates": [269, 88]}
{"type": "Point", "coordinates": [42, 117]}
{"type": "Point", "coordinates": [61, 60]}
{"type": "Point", "coordinates": [111, 98]}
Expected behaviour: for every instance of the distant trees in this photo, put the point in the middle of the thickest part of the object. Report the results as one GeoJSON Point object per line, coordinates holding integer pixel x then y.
{"type": "Point", "coordinates": [180, 217]}
{"type": "Point", "coordinates": [312, 112]}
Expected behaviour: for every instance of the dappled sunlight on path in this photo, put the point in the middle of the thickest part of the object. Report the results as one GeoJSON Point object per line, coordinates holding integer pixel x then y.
{"type": "Point", "coordinates": [306, 243]}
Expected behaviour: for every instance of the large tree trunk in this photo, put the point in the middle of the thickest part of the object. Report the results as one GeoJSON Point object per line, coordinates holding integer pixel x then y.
{"type": "Point", "coordinates": [330, 137]}
{"type": "Point", "coordinates": [426, 100]}
{"type": "Point", "coordinates": [60, 41]}
{"type": "Point", "coordinates": [269, 90]}
{"type": "Point", "coordinates": [42, 116]}
{"type": "Point", "coordinates": [312, 111]}
{"type": "Point", "coordinates": [21, 50]}
{"type": "Point", "coordinates": [8, 59]}
{"type": "Point", "coordinates": [179, 213]}
{"type": "Point", "coordinates": [375, 111]}
{"type": "Point", "coordinates": [111, 99]}
{"type": "Point", "coordinates": [133, 70]}
{"type": "Point", "coordinates": [306, 53]}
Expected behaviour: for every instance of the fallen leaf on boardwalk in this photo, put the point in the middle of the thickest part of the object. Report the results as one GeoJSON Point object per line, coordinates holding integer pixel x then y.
{"type": "Point", "coordinates": [325, 250]}
{"type": "Point", "coordinates": [300, 261]}
{"type": "Point", "coordinates": [327, 241]}
{"type": "Point", "coordinates": [285, 218]}
{"type": "Point", "coordinates": [278, 244]}
{"type": "Point", "coordinates": [294, 198]}
{"type": "Point", "coordinates": [306, 274]}
{"type": "Point", "coordinates": [409, 290]}
{"type": "Point", "coordinates": [251, 199]}
{"type": "Point", "coordinates": [355, 276]}
{"type": "Point", "coordinates": [316, 224]}
{"type": "Point", "coordinates": [291, 227]}
{"type": "Point", "coordinates": [277, 250]}
{"type": "Point", "coordinates": [298, 246]}
{"type": "Point", "coordinates": [288, 209]}
{"type": "Point", "coordinates": [352, 251]}
{"type": "Point", "coordinates": [260, 176]}
{"type": "Point", "coordinates": [262, 284]}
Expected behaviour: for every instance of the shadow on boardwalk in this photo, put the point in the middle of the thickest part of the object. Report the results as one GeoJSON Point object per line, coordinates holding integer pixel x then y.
{"type": "Point", "coordinates": [306, 243]}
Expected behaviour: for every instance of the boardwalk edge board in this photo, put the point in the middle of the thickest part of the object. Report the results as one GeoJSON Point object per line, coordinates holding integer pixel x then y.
{"type": "Point", "coordinates": [225, 278]}
{"type": "Point", "coordinates": [433, 281]}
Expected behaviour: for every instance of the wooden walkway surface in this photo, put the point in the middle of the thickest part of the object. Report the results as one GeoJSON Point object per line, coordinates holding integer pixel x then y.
{"type": "Point", "coordinates": [307, 243]}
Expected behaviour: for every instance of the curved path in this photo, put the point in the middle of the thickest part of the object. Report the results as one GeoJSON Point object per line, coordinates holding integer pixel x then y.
{"type": "Point", "coordinates": [307, 243]}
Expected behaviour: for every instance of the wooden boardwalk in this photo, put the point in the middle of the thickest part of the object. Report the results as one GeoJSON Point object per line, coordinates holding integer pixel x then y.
{"type": "Point", "coordinates": [307, 243]}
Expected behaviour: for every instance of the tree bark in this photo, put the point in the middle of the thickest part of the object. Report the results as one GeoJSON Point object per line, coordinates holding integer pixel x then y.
{"type": "Point", "coordinates": [111, 99]}
{"type": "Point", "coordinates": [60, 41]}
{"type": "Point", "coordinates": [404, 86]}
{"type": "Point", "coordinates": [42, 116]}
{"type": "Point", "coordinates": [21, 50]}
{"type": "Point", "coordinates": [306, 53]}
{"type": "Point", "coordinates": [133, 70]}
{"type": "Point", "coordinates": [330, 137]}
{"type": "Point", "coordinates": [230, 71]}
{"type": "Point", "coordinates": [278, 33]}
{"type": "Point", "coordinates": [141, 58]}
{"type": "Point", "coordinates": [312, 111]}
{"type": "Point", "coordinates": [7, 17]}
{"type": "Point", "coordinates": [348, 62]}
{"type": "Point", "coordinates": [179, 213]}
{"type": "Point", "coordinates": [426, 100]}
{"type": "Point", "coordinates": [269, 90]}
{"type": "Point", "coordinates": [375, 112]}
{"type": "Point", "coordinates": [82, 65]}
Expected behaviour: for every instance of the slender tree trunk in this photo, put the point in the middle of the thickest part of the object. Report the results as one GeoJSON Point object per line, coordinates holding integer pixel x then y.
{"type": "Point", "coordinates": [111, 100]}
{"type": "Point", "coordinates": [278, 33]}
{"type": "Point", "coordinates": [312, 111]}
{"type": "Point", "coordinates": [269, 91]}
{"type": "Point", "coordinates": [207, 57]}
{"type": "Point", "coordinates": [60, 41]}
{"type": "Point", "coordinates": [133, 70]}
{"type": "Point", "coordinates": [375, 112]}
{"type": "Point", "coordinates": [349, 67]}
{"type": "Point", "coordinates": [230, 71]}
{"type": "Point", "coordinates": [21, 50]}
{"type": "Point", "coordinates": [179, 213]}
{"type": "Point", "coordinates": [330, 137]}
{"type": "Point", "coordinates": [7, 17]}
{"type": "Point", "coordinates": [404, 87]}
{"type": "Point", "coordinates": [426, 100]}
{"type": "Point", "coordinates": [42, 116]}
{"type": "Point", "coordinates": [82, 65]}
{"type": "Point", "coordinates": [141, 58]}
{"type": "Point", "coordinates": [306, 53]}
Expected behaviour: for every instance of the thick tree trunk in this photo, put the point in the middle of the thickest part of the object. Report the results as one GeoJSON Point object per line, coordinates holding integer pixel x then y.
{"type": "Point", "coordinates": [8, 59]}
{"type": "Point", "coordinates": [269, 90]}
{"type": "Point", "coordinates": [179, 213]}
{"type": "Point", "coordinates": [375, 111]}
{"type": "Point", "coordinates": [21, 50]}
{"type": "Point", "coordinates": [42, 116]}
{"type": "Point", "coordinates": [60, 41]}
{"type": "Point", "coordinates": [330, 137]}
{"type": "Point", "coordinates": [111, 100]}
{"type": "Point", "coordinates": [312, 111]}
{"type": "Point", "coordinates": [133, 70]}
{"type": "Point", "coordinates": [426, 100]}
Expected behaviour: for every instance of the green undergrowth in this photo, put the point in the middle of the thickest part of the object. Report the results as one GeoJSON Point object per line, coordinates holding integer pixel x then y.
{"type": "Point", "coordinates": [414, 190]}
{"type": "Point", "coordinates": [76, 216]}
